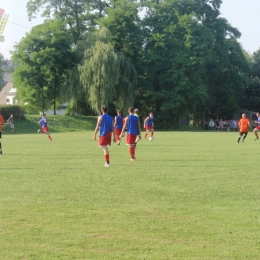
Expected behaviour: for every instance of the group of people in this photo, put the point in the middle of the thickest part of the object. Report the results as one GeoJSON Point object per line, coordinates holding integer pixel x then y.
{"type": "Point", "coordinates": [220, 124]}
{"type": "Point", "coordinates": [244, 125]}
{"type": "Point", "coordinates": [108, 126]}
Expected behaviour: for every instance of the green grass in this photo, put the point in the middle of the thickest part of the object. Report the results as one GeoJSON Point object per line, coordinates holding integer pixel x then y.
{"type": "Point", "coordinates": [187, 196]}
{"type": "Point", "coordinates": [57, 124]}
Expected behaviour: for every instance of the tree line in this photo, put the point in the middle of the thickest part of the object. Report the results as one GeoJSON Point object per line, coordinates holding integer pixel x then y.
{"type": "Point", "coordinates": [171, 57]}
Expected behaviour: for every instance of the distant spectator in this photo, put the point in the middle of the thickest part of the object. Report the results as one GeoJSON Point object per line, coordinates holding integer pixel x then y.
{"type": "Point", "coordinates": [234, 125]}
{"type": "Point", "coordinates": [11, 122]}
{"type": "Point", "coordinates": [211, 124]}
{"type": "Point", "coordinates": [221, 125]}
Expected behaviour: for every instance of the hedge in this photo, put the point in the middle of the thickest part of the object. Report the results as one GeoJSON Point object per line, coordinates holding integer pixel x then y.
{"type": "Point", "coordinates": [17, 111]}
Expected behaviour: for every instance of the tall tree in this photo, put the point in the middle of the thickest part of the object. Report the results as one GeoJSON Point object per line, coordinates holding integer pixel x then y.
{"type": "Point", "coordinates": [106, 75]}
{"type": "Point", "coordinates": [44, 55]}
{"type": "Point", "coordinates": [80, 15]}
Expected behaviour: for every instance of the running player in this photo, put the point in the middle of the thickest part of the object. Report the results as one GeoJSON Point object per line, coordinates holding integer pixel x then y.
{"type": "Point", "coordinates": [149, 125]}
{"type": "Point", "coordinates": [118, 125]}
{"type": "Point", "coordinates": [132, 123]}
{"type": "Point", "coordinates": [43, 122]}
{"type": "Point", "coordinates": [243, 124]}
{"type": "Point", "coordinates": [257, 126]}
{"type": "Point", "coordinates": [105, 126]}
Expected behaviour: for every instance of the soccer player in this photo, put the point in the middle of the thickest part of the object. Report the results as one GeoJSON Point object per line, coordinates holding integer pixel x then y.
{"type": "Point", "coordinates": [136, 112]}
{"type": "Point", "coordinates": [243, 124]}
{"type": "Point", "coordinates": [149, 125]}
{"type": "Point", "coordinates": [105, 125]}
{"type": "Point", "coordinates": [132, 123]}
{"type": "Point", "coordinates": [118, 125]}
{"type": "Point", "coordinates": [257, 127]}
{"type": "Point", "coordinates": [43, 122]}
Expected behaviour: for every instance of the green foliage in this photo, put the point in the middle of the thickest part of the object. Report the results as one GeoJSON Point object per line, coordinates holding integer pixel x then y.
{"type": "Point", "coordinates": [184, 54]}
{"type": "Point", "coordinates": [44, 56]}
{"type": "Point", "coordinates": [105, 74]}
{"type": "Point", "coordinates": [17, 111]}
{"type": "Point", "coordinates": [3, 63]}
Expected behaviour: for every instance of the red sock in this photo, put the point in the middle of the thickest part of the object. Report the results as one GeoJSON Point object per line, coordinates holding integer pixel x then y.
{"type": "Point", "coordinates": [132, 151]}
{"type": "Point", "coordinates": [106, 158]}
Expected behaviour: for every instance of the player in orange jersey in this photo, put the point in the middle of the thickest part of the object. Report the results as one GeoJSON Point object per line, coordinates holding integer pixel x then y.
{"type": "Point", "coordinates": [244, 125]}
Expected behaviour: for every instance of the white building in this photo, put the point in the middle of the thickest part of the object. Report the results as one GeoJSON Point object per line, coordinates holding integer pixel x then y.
{"type": "Point", "coordinates": [7, 94]}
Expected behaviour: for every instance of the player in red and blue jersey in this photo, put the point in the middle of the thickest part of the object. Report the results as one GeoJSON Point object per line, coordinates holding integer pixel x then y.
{"type": "Point", "coordinates": [44, 124]}
{"type": "Point", "coordinates": [132, 124]}
{"type": "Point", "coordinates": [118, 125]}
{"type": "Point", "coordinates": [257, 126]}
{"type": "Point", "coordinates": [149, 125]}
{"type": "Point", "coordinates": [105, 126]}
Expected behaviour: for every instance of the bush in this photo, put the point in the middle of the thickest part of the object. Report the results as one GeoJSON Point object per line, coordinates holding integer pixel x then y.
{"type": "Point", "coordinates": [17, 111]}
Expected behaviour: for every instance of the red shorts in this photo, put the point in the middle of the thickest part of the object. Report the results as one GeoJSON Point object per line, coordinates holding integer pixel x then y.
{"type": "Point", "coordinates": [148, 128]}
{"type": "Point", "coordinates": [130, 139]}
{"type": "Point", "coordinates": [105, 140]}
{"type": "Point", "coordinates": [45, 129]}
{"type": "Point", "coordinates": [118, 131]}
{"type": "Point", "coordinates": [258, 127]}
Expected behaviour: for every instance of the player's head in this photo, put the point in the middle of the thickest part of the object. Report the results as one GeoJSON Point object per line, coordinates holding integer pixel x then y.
{"type": "Point", "coordinates": [119, 112]}
{"type": "Point", "coordinates": [136, 111]}
{"type": "Point", "coordinates": [151, 114]}
{"type": "Point", "coordinates": [43, 114]}
{"type": "Point", "coordinates": [257, 114]}
{"type": "Point", "coordinates": [131, 110]}
{"type": "Point", "coordinates": [243, 115]}
{"type": "Point", "coordinates": [104, 109]}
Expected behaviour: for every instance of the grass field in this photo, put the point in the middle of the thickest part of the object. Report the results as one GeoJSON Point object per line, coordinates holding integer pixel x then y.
{"type": "Point", "coordinates": [189, 195]}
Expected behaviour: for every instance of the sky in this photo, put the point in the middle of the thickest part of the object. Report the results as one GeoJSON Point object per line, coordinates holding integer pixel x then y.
{"type": "Point", "coordinates": [241, 14]}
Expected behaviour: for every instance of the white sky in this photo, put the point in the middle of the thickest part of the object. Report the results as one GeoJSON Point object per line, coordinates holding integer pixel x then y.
{"type": "Point", "coordinates": [242, 14]}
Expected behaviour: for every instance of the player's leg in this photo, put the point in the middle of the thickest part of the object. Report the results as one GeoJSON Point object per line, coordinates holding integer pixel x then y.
{"type": "Point", "coordinates": [152, 132]}
{"type": "Point", "coordinates": [239, 137]}
{"type": "Point", "coordinates": [117, 134]}
{"type": "Point", "coordinates": [106, 155]}
{"type": "Point", "coordinates": [131, 142]}
{"type": "Point", "coordinates": [255, 132]}
{"type": "Point", "coordinates": [245, 135]}
{"type": "Point", "coordinates": [146, 133]}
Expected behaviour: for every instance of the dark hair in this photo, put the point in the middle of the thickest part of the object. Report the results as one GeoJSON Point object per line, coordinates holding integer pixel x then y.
{"type": "Point", "coordinates": [104, 109]}
{"type": "Point", "coordinates": [131, 109]}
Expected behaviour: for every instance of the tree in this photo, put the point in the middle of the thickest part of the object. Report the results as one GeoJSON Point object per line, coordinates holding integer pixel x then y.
{"type": "Point", "coordinates": [3, 63]}
{"type": "Point", "coordinates": [44, 55]}
{"type": "Point", "coordinates": [106, 75]}
{"type": "Point", "coordinates": [80, 15]}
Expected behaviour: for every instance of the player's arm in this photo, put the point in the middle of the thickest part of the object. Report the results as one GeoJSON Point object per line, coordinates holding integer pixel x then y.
{"type": "Point", "coordinates": [97, 127]}
{"type": "Point", "coordinates": [124, 127]}
{"type": "Point", "coordinates": [139, 129]}
{"type": "Point", "coordinates": [115, 121]}
{"type": "Point", "coordinates": [145, 120]}
{"type": "Point", "coordinates": [114, 134]}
